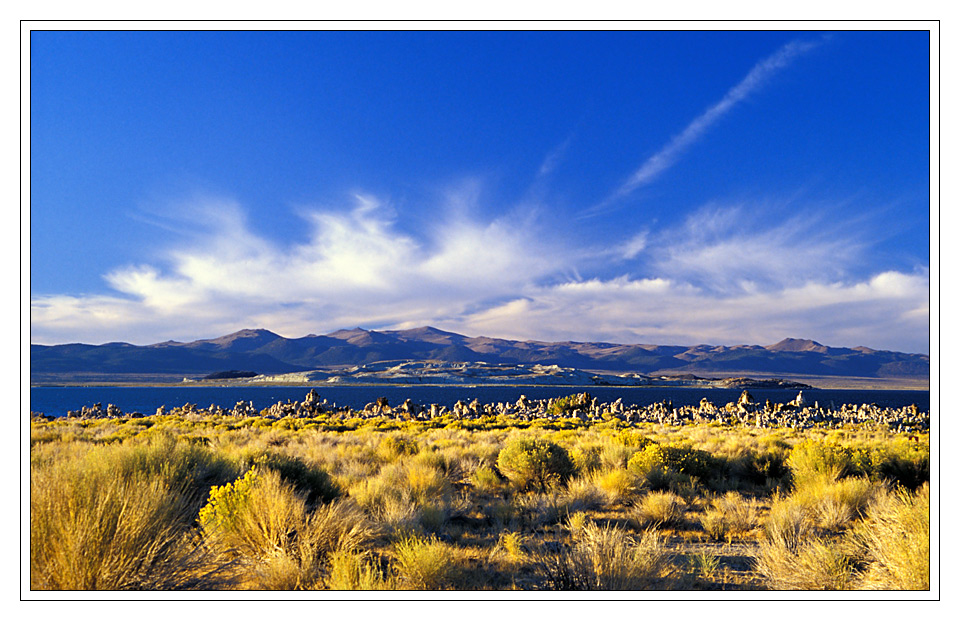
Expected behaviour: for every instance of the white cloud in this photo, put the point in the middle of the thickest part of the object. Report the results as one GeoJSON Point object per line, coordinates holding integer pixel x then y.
{"type": "Point", "coordinates": [356, 268]}
{"type": "Point", "coordinates": [888, 311]}
{"type": "Point", "coordinates": [720, 277]}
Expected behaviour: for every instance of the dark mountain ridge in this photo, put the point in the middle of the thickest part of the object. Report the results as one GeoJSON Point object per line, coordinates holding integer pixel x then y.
{"type": "Point", "coordinates": [266, 352]}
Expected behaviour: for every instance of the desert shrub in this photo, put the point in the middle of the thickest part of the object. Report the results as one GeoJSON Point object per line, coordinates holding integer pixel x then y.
{"type": "Point", "coordinates": [576, 521]}
{"type": "Point", "coordinates": [619, 483]}
{"type": "Point", "coordinates": [226, 502]}
{"type": "Point", "coordinates": [910, 472]}
{"type": "Point", "coordinates": [398, 513]}
{"type": "Point", "coordinates": [313, 482]}
{"type": "Point", "coordinates": [119, 516]}
{"type": "Point", "coordinates": [425, 482]}
{"type": "Point", "coordinates": [852, 494]}
{"type": "Point", "coordinates": [426, 564]}
{"type": "Point", "coordinates": [405, 495]}
{"type": "Point", "coordinates": [586, 458]}
{"type": "Point", "coordinates": [486, 479]}
{"type": "Point", "coordinates": [499, 512]}
{"type": "Point", "coordinates": [433, 515]}
{"type": "Point", "coordinates": [565, 405]}
{"type": "Point", "coordinates": [513, 543]}
{"type": "Point", "coordinates": [254, 515]}
{"type": "Point", "coordinates": [452, 462]}
{"type": "Point", "coordinates": [616, 455]}
{"type": "Point", "coordinates": [900, 461]}
{"type": "Point", "coordinates": [788, 524]}
{"type": "Point", "coordinates": [357, 571]}
{"type": "Point", "coordinates": [532, 462]}
{"type": "Point", "coordinates": [606, 558]}
{"type": "Point", "coordinates": [813, 460]}
{"type": "Point", "coordinates": [194, 466]}
{"type": "Point", "coordinates": [813, 565]}
{"type": "Point", "coordinates": [395, 445]}
{"type": "Point", "coordinates": [704, 565]}
{"type": "Point", "coordinates": [713, 524]}
{"type": "Point", "coordinates": [535, 509]}
{"type": "Point", "coordinates": [657, 509]}
{"type": "Point", "coordinates": [895, 538]}
{"type": "Point", "coordinates": [728, 515]}
{"type": "Point", "coordinates": [386, 501]}
{"type": "Point", "coordinates": [660, 465]}
{"type": "Point", "coordinates": [767, 465]}
{"type": "Point", "coordinates": [834, 504]}
{"type": "Point", "coordinates": [340, 525]}
{"type": "Point", "coordinates": [633, 439]}
{"type": "Point", "coordinates": [266, 522]}
{"type": "Point", "coordinates": [584, 494]}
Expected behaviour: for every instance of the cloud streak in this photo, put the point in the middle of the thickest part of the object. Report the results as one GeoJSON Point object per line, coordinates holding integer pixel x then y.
{"type": "Point", "coordinates": [724, 249]}
{"type": "Point", "coordinates": [668, 155]}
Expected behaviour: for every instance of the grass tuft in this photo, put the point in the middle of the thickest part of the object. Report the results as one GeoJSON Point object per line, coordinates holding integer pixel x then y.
{"type": "Point", "coordinates": [658, 510]}
{"type": "Point", "coordinates": [426, 564]}
{"type": "Point", "coordinates": [896, 539]}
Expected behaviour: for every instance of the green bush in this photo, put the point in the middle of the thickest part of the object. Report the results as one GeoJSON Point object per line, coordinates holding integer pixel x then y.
{"type": "Point", "coordinates": [565, 405]}
{"type": "Point", "coordinates": [814, 459]}
{"type": "Point", "coordinates": [393, 446]}
{"type": "Point", "coordinates": [902, 462]}
{"type": "Point", "coordinates": [634, 439]}
{"type": "Point", "coordinates": [661, 465]}
{"type": "Point", "coordinates": [530, 462]}
{"type": "Point", "coordinates": [315, 484]}
{"type": "Point", "coordinates": [586, 458]}
{"type": "Point", "coordinates": [767, 465]}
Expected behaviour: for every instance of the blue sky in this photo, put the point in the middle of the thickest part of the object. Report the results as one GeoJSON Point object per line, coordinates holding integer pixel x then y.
{"type": "Point", "coordinates": [640, 187]}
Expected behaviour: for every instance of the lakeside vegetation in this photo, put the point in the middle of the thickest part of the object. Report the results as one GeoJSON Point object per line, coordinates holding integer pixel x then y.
{"type": "Point", "coordinates": [223, 502]}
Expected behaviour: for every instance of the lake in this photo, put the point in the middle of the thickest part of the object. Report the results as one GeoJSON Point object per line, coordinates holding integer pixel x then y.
{"type": "Point", "coordinates": [56, 401]}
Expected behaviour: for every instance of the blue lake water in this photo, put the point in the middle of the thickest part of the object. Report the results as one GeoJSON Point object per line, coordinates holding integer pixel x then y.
{"type": "Point", "coordinates": [56, 401]}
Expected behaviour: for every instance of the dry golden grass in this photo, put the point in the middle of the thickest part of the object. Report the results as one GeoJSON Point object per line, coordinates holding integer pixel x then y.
{"type": "Point", "coordinates": [729, 516]}
{"type": "Point", "coordinates": [659, 510]}
{"type": "Point", "coordinates": [358, 571]}
{"type": "Point", "coordinates": [118, 517]}
{"type": "Point", "coordinates": [607, 558]}
{"type": "Point", "coordinates": [814, 564]}
{"type": "Point", "coordinates": [115, 504]}
{"type": "Point", "coordinates": [896, 541]}
{"type": "Point", "coordinates": [426, 564]}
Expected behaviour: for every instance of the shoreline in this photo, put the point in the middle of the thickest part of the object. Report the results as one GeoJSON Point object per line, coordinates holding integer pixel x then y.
{"type": "Point", "coordinates": [818, 383]}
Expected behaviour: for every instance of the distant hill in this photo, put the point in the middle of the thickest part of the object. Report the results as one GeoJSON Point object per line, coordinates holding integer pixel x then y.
{"type": "Point", "coordinates": [264, 352]}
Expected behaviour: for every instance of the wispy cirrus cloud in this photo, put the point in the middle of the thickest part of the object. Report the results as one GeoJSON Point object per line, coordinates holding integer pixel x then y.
{"type": "Point", "coordinates": [729, 248]}
{"type": "Point", "coordinates": [668, 155]}
{"type": "Point", "coordinates": [553, 158]}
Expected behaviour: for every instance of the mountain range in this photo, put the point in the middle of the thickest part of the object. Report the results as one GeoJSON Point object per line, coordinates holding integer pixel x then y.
{"type": "Point", "coordinates": [265, 352]}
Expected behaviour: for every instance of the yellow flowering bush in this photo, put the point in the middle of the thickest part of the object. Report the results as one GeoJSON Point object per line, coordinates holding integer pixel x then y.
{"type": "Point", "coordinates": [225, 502]}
